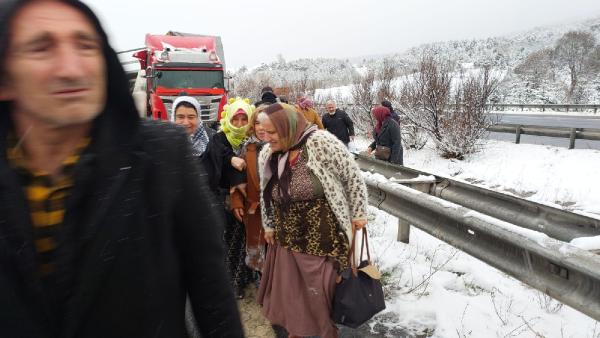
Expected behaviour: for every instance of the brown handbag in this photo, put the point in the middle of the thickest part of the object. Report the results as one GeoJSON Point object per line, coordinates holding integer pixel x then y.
{"type": "Point", "coordinates": [383, 152]}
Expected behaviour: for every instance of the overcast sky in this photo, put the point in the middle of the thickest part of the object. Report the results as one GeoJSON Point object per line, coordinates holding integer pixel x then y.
{"type": "Point", "coordinates": [254, 32]}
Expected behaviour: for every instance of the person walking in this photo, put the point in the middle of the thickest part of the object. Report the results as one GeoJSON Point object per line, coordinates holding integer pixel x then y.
{"type": "Point", "coordinates": [312, 196]}
{"type": "Point", "coordinates": [307, 108]}
{"type": "Point", "coordinates": [393, 113]}
{"type": "Point", "coordinates": [337, 122]}
{"type": "Point", "coordinates": [387, 145]}
{"type": "Point", "coordinates": [226, 171]}
{"type": "Point", "coordinates": [245, 199]}
{"type": "Point", "coordinates": [105, 224]}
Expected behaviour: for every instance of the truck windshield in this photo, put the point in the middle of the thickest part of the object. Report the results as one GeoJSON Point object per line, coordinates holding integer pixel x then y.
{"type": "Point", "coordinates": [190, 78]}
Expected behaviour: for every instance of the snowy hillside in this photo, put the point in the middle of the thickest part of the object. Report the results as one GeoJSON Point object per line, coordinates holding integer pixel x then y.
{"type": "Point", "coordinates": [502, 53]}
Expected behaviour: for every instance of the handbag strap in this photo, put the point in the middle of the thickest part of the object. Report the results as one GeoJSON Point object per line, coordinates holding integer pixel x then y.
{"type": "Point", "coordinates": [352, 249]}
{"type": "Point", "coordinates": [352, 252]}
{"type": "Point", "coordinates": [364, 242]}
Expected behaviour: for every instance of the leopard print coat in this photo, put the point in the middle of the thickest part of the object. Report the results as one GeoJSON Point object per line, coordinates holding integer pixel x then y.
{"type": "Point", "coordinates": [334, 166]}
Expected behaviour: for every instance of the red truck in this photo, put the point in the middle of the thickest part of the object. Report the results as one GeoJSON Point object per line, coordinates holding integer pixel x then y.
{"type": "Point", "coordinates": [177, 63]}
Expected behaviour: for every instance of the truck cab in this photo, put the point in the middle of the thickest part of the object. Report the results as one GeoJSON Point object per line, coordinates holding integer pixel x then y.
{"type": "Point", "coordinates": [172, 65]}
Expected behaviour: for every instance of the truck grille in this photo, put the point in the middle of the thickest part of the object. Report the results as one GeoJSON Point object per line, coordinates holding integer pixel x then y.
{"type": "Point", "coordinates": [209, 106]}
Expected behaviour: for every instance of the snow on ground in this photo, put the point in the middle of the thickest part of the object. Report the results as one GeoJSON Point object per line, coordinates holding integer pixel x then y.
{"type": "Point", "coordinates": [436, 290]}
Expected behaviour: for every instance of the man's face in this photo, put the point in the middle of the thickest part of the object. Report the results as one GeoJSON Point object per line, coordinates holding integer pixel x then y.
{"type": "Point", "coordinates": [330, 108]}
{"type": "Point", "coordinates": [55, 72]}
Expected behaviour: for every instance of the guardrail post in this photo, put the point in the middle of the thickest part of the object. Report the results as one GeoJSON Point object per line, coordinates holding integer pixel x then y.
{"type": "Point", "coordinates": [572, 138]}
{"type": "Point", "coordinates": [518, 139]}
{"type": "Point", "coordinates": [403, 231]}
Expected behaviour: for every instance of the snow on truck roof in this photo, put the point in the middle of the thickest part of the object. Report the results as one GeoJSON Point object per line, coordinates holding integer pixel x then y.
{"type": "Point", "coordinates": [158, 42]}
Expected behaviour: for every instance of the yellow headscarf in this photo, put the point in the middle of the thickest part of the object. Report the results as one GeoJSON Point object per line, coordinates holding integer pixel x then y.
{"type": "Point", "coordinates": [235, 136]}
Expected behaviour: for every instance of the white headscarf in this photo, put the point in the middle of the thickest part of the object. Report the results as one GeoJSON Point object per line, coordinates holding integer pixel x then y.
{"type": "Point", "coordinates": [187, 99]}
{"type": "Point", "coordinates": [199, 138]}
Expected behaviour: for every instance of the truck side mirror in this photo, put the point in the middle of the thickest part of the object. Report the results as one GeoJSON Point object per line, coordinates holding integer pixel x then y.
{"type": "Point", "coordinates": [141, 56]}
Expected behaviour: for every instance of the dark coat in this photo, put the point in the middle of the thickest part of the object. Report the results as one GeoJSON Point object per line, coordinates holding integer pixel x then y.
{"type": "Point", "coordinates": [217, 161]}
{"type": "Point", "coordinates": [339, 124]}
{"type": "Point", "coordinates": [390, 136]}
{"type": "Point", "coordinates": [139, 233]}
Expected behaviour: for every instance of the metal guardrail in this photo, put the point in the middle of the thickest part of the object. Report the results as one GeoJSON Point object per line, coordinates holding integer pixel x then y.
{"type": "Point", "coordinates": [543, 107]}
{"type": "Point", "coordinates": [566, 273]}
{"type": "Point", "coordinates": [565, 132]}
{"type": "Point", "coordinates": [522, 107]}
{"type": "Point", "coordinates": [556, 223]}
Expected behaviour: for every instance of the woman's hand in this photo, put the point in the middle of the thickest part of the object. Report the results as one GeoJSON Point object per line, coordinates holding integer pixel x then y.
{"type": "Point", "coordinates": [238, 213]}
{"type": "Point", "coordinates": [359, 224]}
{"type": "Point", "coordinates": [270, 237]}
{"type": "Point", "coordinates": [241, 188]}
{"type": "Point", "coordinates": [238, 163]}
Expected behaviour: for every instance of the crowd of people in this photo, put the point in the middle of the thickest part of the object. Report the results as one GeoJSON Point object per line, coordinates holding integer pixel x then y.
{"type": "Point", "coordinates": [291, 193]}
{"type": "Point", "coordinates": [110, 224]}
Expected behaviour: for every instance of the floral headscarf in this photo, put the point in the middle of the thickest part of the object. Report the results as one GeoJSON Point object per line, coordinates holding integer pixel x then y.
{"type": "Point", "coordinates": [293, 131]}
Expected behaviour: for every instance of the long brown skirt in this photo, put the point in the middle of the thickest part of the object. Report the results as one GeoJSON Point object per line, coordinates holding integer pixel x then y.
{"type": "Point", "coordinates": [296, 292]}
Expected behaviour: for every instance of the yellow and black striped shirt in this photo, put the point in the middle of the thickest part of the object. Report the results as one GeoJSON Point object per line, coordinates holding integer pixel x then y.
{"type": "Point", "coordinates": [46, 196]}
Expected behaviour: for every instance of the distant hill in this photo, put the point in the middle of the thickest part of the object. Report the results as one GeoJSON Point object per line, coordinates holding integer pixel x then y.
{"type": "Point", "coordinates": [502, 53]}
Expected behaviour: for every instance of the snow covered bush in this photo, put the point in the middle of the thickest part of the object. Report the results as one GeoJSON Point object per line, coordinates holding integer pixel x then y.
{"type": "Point", "coordinates": [451, 110]}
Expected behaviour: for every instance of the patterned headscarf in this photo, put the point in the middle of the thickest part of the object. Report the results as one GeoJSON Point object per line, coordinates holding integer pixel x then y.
{"type": "Point", "coordinates": [293, 131]}
{"type": "Point", "coordinates": [199, 138]}
{"type": "Point", "coordinates": [235, 136]}
{"type": "Point", "coordinates": [305, 103]}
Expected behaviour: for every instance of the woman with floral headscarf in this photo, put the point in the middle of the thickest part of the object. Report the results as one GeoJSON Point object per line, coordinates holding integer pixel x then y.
{"type": "Point", "coordinates": [225, 170]}
{"type": "Point", "coordinates": [313, 196]}
{"type": "Point", "coordinates": [307, 108]}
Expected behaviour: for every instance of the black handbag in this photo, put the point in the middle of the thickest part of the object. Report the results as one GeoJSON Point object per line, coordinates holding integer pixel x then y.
{"type": "Point", "coordinates": [359, 294]}
{"type": "Point", "coordinates": [382, 152]}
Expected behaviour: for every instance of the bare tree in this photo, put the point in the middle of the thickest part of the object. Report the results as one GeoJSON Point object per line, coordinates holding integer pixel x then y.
{"type": "Point", "coordinates": [363, 95]}
{"type": "Point", "coordinates": [425, 94]}
{"type": "Point", "coordinates": [537, 67]}
{"type": "Point", "coordinates": [249, 84]}
{"type": "Point", "coordinates": [572, 49]}
{"type": "Point", "coordinates": [593, 62]}
{"type": "Point", "coordinates": [467, 121]}
{"type": "Point", "coordinates": [386, 75]}
{"type": "Point", "coordinates": [455, 118]}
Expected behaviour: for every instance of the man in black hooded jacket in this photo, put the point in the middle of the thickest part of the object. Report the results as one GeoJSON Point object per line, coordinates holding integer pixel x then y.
{"type": "Point", "coordinates": [106, 223]}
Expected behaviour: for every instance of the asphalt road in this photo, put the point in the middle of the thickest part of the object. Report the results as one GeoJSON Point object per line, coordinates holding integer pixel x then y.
{"type": "Point", "coordinates": [549, 120]}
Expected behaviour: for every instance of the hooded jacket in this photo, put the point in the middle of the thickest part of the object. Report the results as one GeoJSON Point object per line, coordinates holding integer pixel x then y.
{"type": "Point", "coordinates": [139, 232]}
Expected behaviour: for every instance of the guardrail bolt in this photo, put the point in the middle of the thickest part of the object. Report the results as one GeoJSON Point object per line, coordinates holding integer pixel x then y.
{"type": "Point", "coordinates": [559, 271]}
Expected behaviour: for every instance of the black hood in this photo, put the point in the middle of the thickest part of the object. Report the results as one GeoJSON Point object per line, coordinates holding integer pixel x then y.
{"type": "Point", "coordinates": [120, 111]}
